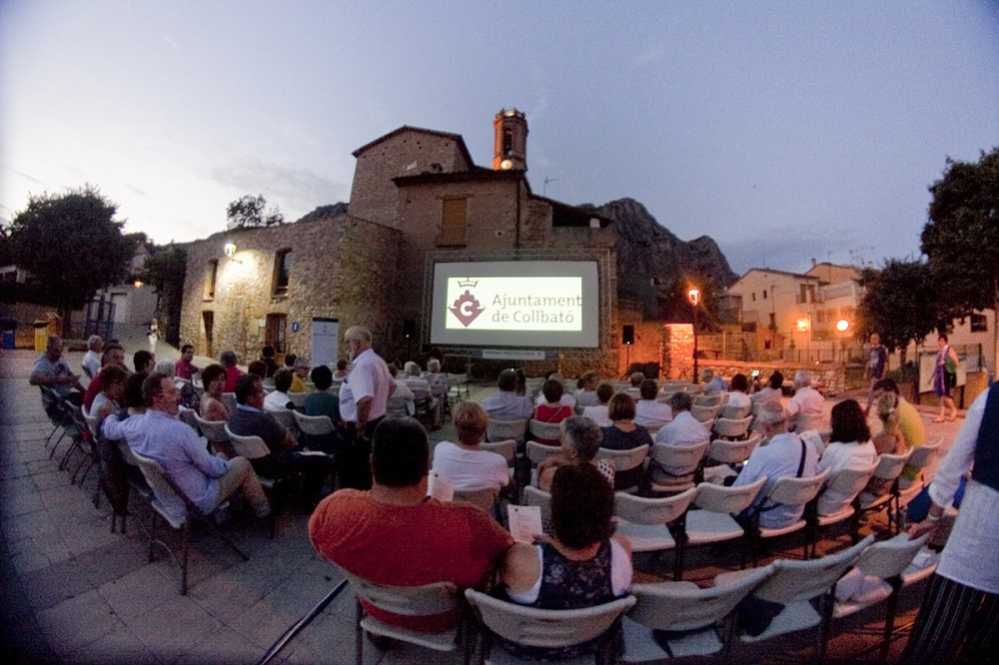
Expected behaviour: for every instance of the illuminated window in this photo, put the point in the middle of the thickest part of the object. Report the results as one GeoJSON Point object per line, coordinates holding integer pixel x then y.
{"type": "Point", "coordinates": [979, 323]}
{"type": "Point", "coordinates": [454, 223]}
{"type": "Point", "coordinates": [282, 271]}
{"type": "Point", "coordinates": [211, 276]}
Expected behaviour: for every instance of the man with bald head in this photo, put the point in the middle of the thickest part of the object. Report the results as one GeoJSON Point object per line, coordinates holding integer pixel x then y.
{"type": "Point", "coordinates": [52, 371]}
{"type": "Point", "coordinates": [363, 400]}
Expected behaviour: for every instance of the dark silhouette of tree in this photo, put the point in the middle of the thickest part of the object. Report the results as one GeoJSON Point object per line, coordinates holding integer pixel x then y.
{"type": "Point", "coordinates": [961, 238]}
{"type": "Point", "coordinates": [249, 212]}
{"type": "Point", "coordinates": [165, 270]}
{"type": "Point", "coordinates": [72, 246]}
{"type": "Point", "coordinates": [899, 303]}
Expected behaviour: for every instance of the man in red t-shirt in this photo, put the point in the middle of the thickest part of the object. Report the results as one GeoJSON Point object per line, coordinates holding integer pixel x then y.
{"type": "Point", "coordinates": [395, 535]}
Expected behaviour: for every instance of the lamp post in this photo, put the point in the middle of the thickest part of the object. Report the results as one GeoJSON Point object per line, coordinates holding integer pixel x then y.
{"type": "Point", "coordinates": [804, 325]}
{"type": "Point", "coordinates": [694, 296]}
{"type": "Point", "coordinates": [842, 326]}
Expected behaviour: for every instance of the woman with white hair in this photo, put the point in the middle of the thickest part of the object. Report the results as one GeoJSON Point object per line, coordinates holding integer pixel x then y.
{"type": "Point", "coordinates": [433, 375]}
{"type": "Point", "coordinates": [806, 399]}
{"type": "Point", "coordinates": [92, 360]}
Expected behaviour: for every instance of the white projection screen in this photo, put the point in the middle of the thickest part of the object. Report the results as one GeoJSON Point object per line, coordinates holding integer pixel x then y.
{"type": "Point", "coordinates": [516, 304]}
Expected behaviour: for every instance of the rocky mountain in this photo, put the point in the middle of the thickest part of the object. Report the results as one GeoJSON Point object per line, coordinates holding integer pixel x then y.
{"type": "Point", "coordinates": [654, 264]}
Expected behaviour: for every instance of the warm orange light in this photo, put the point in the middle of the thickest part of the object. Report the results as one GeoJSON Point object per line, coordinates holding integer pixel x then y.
{"type": "Point", "coordinates": [804, 324]}
{"type": "Point", "coordinates": [842, 325]}
{"type": "Point", "coordinates": [138, 283]}
{"type": "Point", "coordinates": [694, 296]}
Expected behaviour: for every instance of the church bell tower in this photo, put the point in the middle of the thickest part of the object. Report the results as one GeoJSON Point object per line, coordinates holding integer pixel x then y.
{"type": "Point", "coordinates": [510, 143]}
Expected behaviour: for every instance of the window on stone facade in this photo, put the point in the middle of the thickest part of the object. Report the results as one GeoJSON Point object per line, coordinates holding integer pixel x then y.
{"type": "Point", "coordinates": [979, 323]}
{"type": "Point", "coordinates": [454, 223]}
{"type": "Point", "coordinates": [764, 294]}
{"type": "Point", "coordinates": [282, 271]}
{"type": "Point", "coordinates": [211, 276]}
{"type": "Point", "coordinates": [754, 296]}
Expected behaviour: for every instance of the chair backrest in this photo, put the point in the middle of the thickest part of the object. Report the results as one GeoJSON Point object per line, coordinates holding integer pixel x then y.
{"type": "Point", "coordinates": [642, 510]}
{"type": "Point", "coordinates": [803, 580]}
{"type": "Point", "coordinates": [712, 399]}
{"type": "Point", "coordinates": [791, 491]}
{"type": "Point", "coordinates": [624, 460]}
{"type": "Point", "coordinates": [679, 457]}
{"type": "Point", "coordinates": [889, 558]}
{"type": "Point", "coordinates": [731, 500]}
{"type": "Point", "coordinates": [705, 414]}
{"type": "Point", "coordinates": [162, 486]}
{"type": "Point", "coordinates": [533, 386]}
{"type": "Point", "coordinates": [920, 456]}
{"type": "Point", "coordinates": [535, 497]}
{"type": "Point", "coordinates": [484, 497]}
{"type": "Point", "coordinates": [313, 425]}
{"type": "Point", "coordinates": [809, 421]}
{"type": "Point", "coordinates": [508, 449]}
{"type": "Point", "coordinates": [735, 412]}
{"type": "Point", "coordinates": [396, 406]}
{"type": "Point", "coordinates": [499, 430]}
{"type": "Point", "coordinates": [672, 606]}
{"type": "Point", "coordinates": [298, 399]}
{"type": "Point", "coordinates": [286, 418]}
{"type": "Point", "coordinates": [91, 424]}
{"type": "Point", "coordinates": [189, 417]}
{"type": "Point", "coordinates": [250, 447]}
{"type": "Point", "coordinates": [229, 399]}
{"type": "Point", "coordinates": [850, 482]}
{"type": "Point", "coordinates": [730, 452]}
{"type": "Point", "coordinates": [535, 627]}
{"type": "Point", "coordinates": [214, 430]}
{"type": "Point", "coordinates": [890, 466]}
{"type": "Point", "coordinates": [429, 599]}
{"type": "Point", "coordinates": [542, 430]}
{"type": "Point", "coordinates": [539, 452]}
{"type": "Point", "coordinates": [731, 427]}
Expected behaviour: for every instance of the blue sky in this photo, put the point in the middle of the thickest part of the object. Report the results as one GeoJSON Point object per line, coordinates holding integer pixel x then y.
{"type": "Point", "coordinates": [784, 130]}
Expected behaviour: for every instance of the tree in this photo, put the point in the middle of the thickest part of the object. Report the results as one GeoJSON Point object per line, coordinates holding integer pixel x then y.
{"type": "Point", "coordinates": [165, 270]}
{"type": "Point", "coordinates": [899, 303]}
{"type": "Point", "coordinates": [961, 238]}
{"type": "Point", "coordinates": [72, 246]}
{"type": "Point", "coordinates": [248, 212]}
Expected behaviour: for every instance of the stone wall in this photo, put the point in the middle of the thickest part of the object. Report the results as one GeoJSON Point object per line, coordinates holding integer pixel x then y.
{"type": "Point", "coordinates": [340, 268]}
{"type": "Point", "coordinates": [829, 378]}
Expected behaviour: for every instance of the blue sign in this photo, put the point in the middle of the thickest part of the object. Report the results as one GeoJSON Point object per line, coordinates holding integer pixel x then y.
{"type": "Point", "coordinates": [294, 326]}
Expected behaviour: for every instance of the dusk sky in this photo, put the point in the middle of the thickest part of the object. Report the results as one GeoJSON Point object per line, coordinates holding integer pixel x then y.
{"type": "Point", "coordinates": [784, 130]}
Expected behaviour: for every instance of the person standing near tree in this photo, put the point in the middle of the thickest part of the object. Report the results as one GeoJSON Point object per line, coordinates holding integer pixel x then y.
{"type": "Point", "coordinates": [877, 362]}
{"type": "Point", "coordinates": [945, 378]}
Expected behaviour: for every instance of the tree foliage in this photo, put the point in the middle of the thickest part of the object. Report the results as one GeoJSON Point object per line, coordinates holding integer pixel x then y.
{"type": "Point", "coordinates": [72, 246]}
{"type": "Point", "coordinates": [961, 238]}
{"type": "Point", "coordinates": [250, 212]}
{"type": "Point", "coordinates": [899, 303]}
{"type": "Point", "coordinates": [165, 270]}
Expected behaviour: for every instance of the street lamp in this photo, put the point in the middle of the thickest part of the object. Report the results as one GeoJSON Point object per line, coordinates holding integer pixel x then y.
{"type": "Point", "coordinates": [842, 326]}
{"type": "Point", "coordinates": [694, 296]}
{"type": "Point", "coordinates": [230, 249]}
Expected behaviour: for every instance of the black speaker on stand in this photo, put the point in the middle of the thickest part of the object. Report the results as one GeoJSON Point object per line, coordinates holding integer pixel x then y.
{"type": "Point", "coordinates": [628, 338]}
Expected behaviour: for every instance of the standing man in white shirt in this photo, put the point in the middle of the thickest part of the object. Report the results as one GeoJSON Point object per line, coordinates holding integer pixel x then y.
{"type": "Point", "coordinates": [363, 401]}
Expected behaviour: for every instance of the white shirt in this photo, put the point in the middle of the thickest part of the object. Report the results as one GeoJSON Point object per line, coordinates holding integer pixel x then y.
{"type": "Point", "coordinates": [276, 401]}
{"type": "Point", "coordinates": [652, 414]}
{"type": "Point", "coordinates": [470, 468]}
{"type": "Point", "coordinates": [91, 364]}
{"type": "Point", "coordinates": [684, 430]}
{"type": "Point", "coordinates": [739, 399]}
{"type": "Point", "coordinates": [806, 400]}
{"type": "Point", "coordinates": [369, 377]}
{"type": "Point", "coordinates": [566, 400]}
{"type": "Point", "coordinates": [598, 414]}
{"type": "Point", "coordinates": [839, 455]}
{"type": "Point", "coordinates": [586, 398]}
{"type": "Point", "coordinates": [775, 459]}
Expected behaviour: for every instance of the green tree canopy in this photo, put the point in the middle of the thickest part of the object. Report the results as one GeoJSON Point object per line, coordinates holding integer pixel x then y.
{"type": "Point", "coordinates": [72, 246]}
{"type": "Point", "coordinates": [961, 238]}
{"type": "Point", "coordinates": [249, 211]}
{"type": "Point", "coordinates": [165, 270]}
{"type": "Point", "coordinates": [899, 303]}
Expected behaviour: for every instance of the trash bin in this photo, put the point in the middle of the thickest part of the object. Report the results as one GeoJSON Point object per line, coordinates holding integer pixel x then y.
{"type": "Point", "coordinates": [8, 326]}
{"type": "Point", "coordinates": [41, 335]}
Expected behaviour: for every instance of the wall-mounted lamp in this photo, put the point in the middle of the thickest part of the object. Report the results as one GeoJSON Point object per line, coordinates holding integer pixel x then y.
{"type": "Point", "coordinates": [230, 249]}
{"type": "Point", "coordinates": [694, 296]}
{"type": "Point", "coordinates": [842, 325]}
{"type": "Point", "coordinates": [138, 283]}
{"type": "Point", "coordinates": [804, 324]}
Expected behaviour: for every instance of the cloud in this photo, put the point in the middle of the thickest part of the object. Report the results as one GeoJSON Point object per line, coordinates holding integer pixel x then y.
{"type": "Point", "coordinates": [790, 248]}
{"type": "Point", "coordinates": [294, 190]}
{"type": "Point", "coordinates": [135, 189]}
{"type": "Point", "coordinates": [654, 54]}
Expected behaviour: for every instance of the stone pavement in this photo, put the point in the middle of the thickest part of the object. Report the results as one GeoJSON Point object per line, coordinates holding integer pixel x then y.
{"type": "Point", "coordinates": [73, 592]}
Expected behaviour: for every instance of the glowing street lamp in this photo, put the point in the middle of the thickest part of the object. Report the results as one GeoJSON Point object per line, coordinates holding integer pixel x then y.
{"type": "Point", "coordinates": [694, 296]}
{"type": "Point", "coordinates": [230, 249]}
{"type": "Point", "coordinates": [842, 326]}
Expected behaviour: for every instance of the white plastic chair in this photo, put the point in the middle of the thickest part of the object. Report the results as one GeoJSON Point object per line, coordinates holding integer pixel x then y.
{"type": "Point", "coordinates": [713, 520]}
{"type": "Point", "coordinates": [806, 421]}
{"type": "Point", "coordinates": [790, 491]}
{"type": "Point", "coordinates": [313, 425]}
{"type": "Point", "coordinates": [547, 431]}
{"type": "Point", "coordinates": [889, 469]}
{"type": "Point", "coordinates": [644, 521]}
{"type": "Point", "coordinates": [535, 497]}
{"type": "Point", "coordinates": [728, 428]}
{"type": "Point", "coordinates": [501, 430]}
{"type": "Point", "coordinates": [918, 461]}
{"type": "Point", "coordinates": [624, 461]}
{"type": "Point", "coordinates": [705, 414]}
{"type": "Point", "coordinates": [229, 399]}
{"type": "Point", "coordinates": [847, 483]}
{"type": "Point", "coordinates": [552, 629]}
{"type": "Point", "coordinates": [484, 497]}
{"type": "Point", "coordinates": [674, 468]}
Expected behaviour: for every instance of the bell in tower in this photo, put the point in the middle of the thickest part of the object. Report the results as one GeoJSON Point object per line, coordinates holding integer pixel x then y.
{"type": "Point", "coordinates": [510, 144]}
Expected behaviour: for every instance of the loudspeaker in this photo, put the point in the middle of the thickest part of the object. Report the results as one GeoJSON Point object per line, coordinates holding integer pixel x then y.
{"type": "Point", "coordinates": [409, 328]}
{"type": "Point", "coordinates": [629, 335]}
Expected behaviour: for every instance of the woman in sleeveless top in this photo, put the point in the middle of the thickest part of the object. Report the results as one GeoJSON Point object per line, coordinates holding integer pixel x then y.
{"type": "Point", "coordinates": [945, 378]}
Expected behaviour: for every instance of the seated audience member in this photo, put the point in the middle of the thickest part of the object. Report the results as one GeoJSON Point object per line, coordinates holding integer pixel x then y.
{"type": "Point", "coordinates": [684, 429]}
{"type": "Point", "coordinates": [581, 439]}
{"type": "Point", "coordinates": [599, 413]}
{"type": "Point", "coordinates": [394, 535]}
{"type": "Point", "coordinates": [111, 399]}
{"type": "Point", "coordinates": [635, 389]}
{"type": "Point", "coordinates": [205, 479]}
{"type": "Point", "coordinates": [712, 382]}
{"type": "Point", "coordinates": [739, 404]}
{"type": "Point", "coordinates": [134, 401]}
{"type": "Point", "coordinates": [301, 368]}
{"type": "Point", "coordinates": [228, 362]}
{"type": "Point", "coordinates": [521, 381]}
{"type": "Point", "coordinates": [781, 454]}
{"type": "Point", "coordinates": [258, 367]}
{"type": "Point", "coordinates": [566, 399]}
{"type": "Point", "coordinates": [909, 421]}
{"type": "Point", "coordinates": [421, 390]}
{"type": "Point", "coordinates": [433, 375]}
{"type": "Point", "coordinates": [285, 458]}
{"type": "Point", "coordinates": [341, 370]}
{"type": "Point", "coordinates": [278, 398]}
{"type": "Point", "coordinates": [464, 462]}
{"type": "Point", "coordinates": [402, 395]}
{"type": "Point", "coordinates": [52, 371]}
{"type": "Point", "coordinates": [806, 400]}
{"type": "Point", "coordinates": [586, 393]}
{"type": "Point", "coordinates": [772, 392]}
{"type": "Point", "coordinates": [850, 447]}
{"type": "Point", "coordinates": [91, 363]}
{"type": "Point", "coordinates": [184, 368]}
{"type": "Point", "coordinates": [890, 440]}
{"type": "Point", "coordinates": [582, 565]}
{"type": "Point", "coordinates": [144, 361]}
{"type": "Point", "coordinates": [552, 411]}
{"type": "Point", "coordinates": [649, 413]}
{"type": "Point", "coordinates": [113, 355]}
{"type": "Point", "coordinates": [624, 434]}
{"type": "Point", "coordinates": [267, 357]}
{"type": "Point", "coordinates": [212, 406]}
{"type": "Point", "coordinates": [323, 402]}
{"type": "Point", "coordinates": [289, 360]}
{"type": "Point", "coordinates": [188, 398]}
{"type": "Point", "coordinates": [507, 404]}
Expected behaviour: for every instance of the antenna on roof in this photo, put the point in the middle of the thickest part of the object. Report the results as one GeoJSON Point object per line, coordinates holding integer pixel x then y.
{"type": "Point", "coordinates": [544, 190]}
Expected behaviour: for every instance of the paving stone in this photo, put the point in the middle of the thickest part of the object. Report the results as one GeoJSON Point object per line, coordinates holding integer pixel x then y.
{"type": "Point", "coordinates": [50, 586]}
{"type": "Point", "coordinates": [170, 629]}
{"type": "Point", "coordinates": [73, 624]}
{"type": "Point", "coordinates": [138, 593]}
{"type": "Point", "coordinates": [119, 646]}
